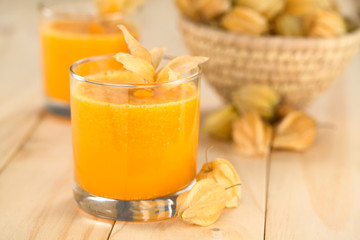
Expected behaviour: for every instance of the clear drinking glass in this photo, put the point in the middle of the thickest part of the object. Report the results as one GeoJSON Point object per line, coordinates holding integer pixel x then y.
{"type": "Point", "coordinates": [71, 30]}
{"type": "Point", "coordinates": [135, 146]}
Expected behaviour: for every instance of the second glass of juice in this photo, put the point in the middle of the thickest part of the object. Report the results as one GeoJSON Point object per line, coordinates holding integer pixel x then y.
{"type": "Point", "coordinates": [135, 146]}
{"type": "Point", "coordinates": [71, 30]}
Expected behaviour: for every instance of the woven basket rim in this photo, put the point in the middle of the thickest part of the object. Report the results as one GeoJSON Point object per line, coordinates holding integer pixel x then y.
{"type": "Point", "coordinates": [209, 30]}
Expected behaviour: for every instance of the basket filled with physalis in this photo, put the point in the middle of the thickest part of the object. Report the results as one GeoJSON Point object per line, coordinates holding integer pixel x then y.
{"type": "Point", "coordinates": [297, 47]}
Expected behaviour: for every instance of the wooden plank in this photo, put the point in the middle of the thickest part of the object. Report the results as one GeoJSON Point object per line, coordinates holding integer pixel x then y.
{"type": "Point", "coordinates": [315, 195]}
{"type": "Point", "coordinates": [17, 122]}
{"type": "Point", "coordinates": [244, 222]}
{"type": "Point", "coordinates": [36, 198]}
{"type": "Point", "coordinates": [20, 96]}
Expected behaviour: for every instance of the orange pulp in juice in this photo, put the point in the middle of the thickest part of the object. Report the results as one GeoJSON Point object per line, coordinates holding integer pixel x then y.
{"type": "Point", "coordinates": [64, 42]}
{"type": "Point", "coordinates": [134, 144]}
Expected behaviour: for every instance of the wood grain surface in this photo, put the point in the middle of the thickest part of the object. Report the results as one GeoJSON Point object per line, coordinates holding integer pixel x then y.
{"type": "Point", "coordinates": [20, 96]}
{"type": "Point", "coordinates": [35, 188]}
{"type": "Point", "coordinates": [300, 196]}
{"type": "Point", "coordinates": [315, 194]}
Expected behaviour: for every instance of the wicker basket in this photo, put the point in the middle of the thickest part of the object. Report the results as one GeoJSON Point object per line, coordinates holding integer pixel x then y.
{"type": "Point", "coordinates": [298, 68]}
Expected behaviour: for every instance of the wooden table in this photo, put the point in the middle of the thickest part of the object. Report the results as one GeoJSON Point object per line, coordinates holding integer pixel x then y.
{"type": "Point", "coordinates": [310, 195]}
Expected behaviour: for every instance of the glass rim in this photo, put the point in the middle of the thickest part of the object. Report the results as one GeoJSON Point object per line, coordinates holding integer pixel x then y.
{"type": "Point", "coordinates": [46, 8]}
{"type": "Point", "coordinates": [78, 77]}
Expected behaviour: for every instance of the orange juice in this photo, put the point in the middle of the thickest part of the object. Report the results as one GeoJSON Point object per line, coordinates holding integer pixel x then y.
{"type": "Point", "coordinates": [64, 42]}
{"type": "Point", "coordinates": [132, 144]}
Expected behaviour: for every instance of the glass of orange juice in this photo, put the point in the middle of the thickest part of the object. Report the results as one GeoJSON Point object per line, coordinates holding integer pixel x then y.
{"type": "Point", "coordinates": [71, 30]}
{"type": "Point", "coordinates": [135, 145]}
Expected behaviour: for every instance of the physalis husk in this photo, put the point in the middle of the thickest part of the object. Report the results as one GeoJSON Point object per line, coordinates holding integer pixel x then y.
{"type": "Point", "coordinates": [283, 109]}
{"type": "Point", "coordinates": [305, 7]}
{"type": "Point", "coordinates": [202, 204]}
{"type": "Point", "coordinates": [203, 10]}
{"type": "Point", "coordinates": [135, 48]}
{"type": "Point", "coordinates": [179, 65]}
{"type": "Point", "coordinates": [252, 136]}
{"type": "Point", "coordinates": [324, 24]}
{"type": "Point", "coordinates": [219, 123]}
{"type": "Point", "coordinates": [268, 8]}
{"type": "Point", "coordinates": [288, 25]}
{"type": "Point", "coordinates": [222, 172]}
{"type": "Point", "coordinates": [137, 65]}
{"type": "Point", "coordinates": [157, 54]}
{"type": "Point", "coordinates": [259, 98]}
{"type": "Point", "coordinates": [244, 20]}
{"type": "Point", "coordinates": [144, 63]}
{"type": "Point", "coordinates": [296, 131]}
{"type": "Point", "coordinates": [275, 8]}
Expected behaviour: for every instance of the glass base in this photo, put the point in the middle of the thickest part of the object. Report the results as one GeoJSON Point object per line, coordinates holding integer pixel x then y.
{"type": "Point", "coordinates": [131, 211]}
{"type": "Point", "coordinates": [57, 107]}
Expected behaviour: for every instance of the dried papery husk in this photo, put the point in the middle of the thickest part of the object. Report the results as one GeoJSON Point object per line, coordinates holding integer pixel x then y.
{"type": "Point", "coordinates": [256, 98]}
{"type": "Point", "coordinates": [351, 25]}
{"type": "Point", "coordinates": [305, 7]}
{"type": "Point", "coordinates": [203, 10]}
{"type": "Point", "coordinates": [252, 136]}
{"type": "Point", "coordinates": [202, 204]}
{"type": "Point", "coordinates": [222, 172]}
{"type": "Point", "coordinates": [173, 76]}
{"type": "Point", "coordinates": [274, 9]}
{"type": "Point", "coordinates": [268, 8]}
{"type": "Point", "coordinates": [324, 24]}
{"type": "Point", "coordinates": [219, 123]}
{"type": "Point", "coordinates": [244, 20]}
{"type": "Point", "coordinates": [282, 110]}
{"type": "Point", "coordinates": [112, 6]}
{"type": "Point", "coordinates": [210, 9]}
{"type": "Point", "coordinates": [180, 65]}
{"type": "Point", "coordinates": [135, 48]}
{"type": "Point", "coordinates": [297, 131]}
{"type": "Point", "coordinates": [259, 6]}
{"type": "Point", "coordinates": [157, 54]}
{"type": "Point", "coordinates": [137, 65]}
{"type": "Point", "coordinates": [289, 25]}
{"type": "Point", "coordinates": [170, 77]}
{"type": "Point", "coordinates": [142, 62]}
{"type": "Point", "coordinates": [302, 10]}
{"type": "Point", "coordinates": [187, 8]}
